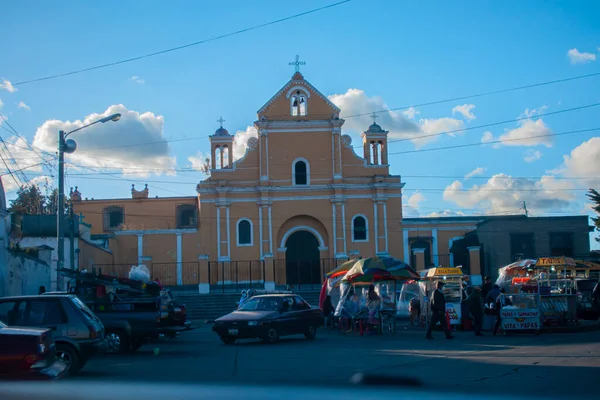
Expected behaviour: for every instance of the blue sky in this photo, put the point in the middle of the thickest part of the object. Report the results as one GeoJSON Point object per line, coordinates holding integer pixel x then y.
{"type": "Point", "coordinates": [393, 53]}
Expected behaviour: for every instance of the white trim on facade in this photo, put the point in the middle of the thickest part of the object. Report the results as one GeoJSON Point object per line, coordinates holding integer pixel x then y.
{"type": "Point", "coordinates": [228, 232]}
{"type": "Point", "coordinates": [237, 233]}
{"type": "Point", "coordinates": [179, 260]}
{"type": "Point", "coordinates": [218, 233]}
{"type": "Point", "coordinates": [441, 221]}
{"type": "Point", "coordinates": [305, 161]}
{"type": "Point", "coordinates": [435, 246]}
{"type": "Point", "coordinates": [303, 228]}
{"type": "Point", "coordinates": [303, 198]}
{"type": "Point", "coordinates": [270, 233]}
{"type": "Point", "coordinates": [366, 227]}
{"type": "Point", "coordinates": [385, 230]}
{"type": "Point", "coordinates": [140, 249]}
{"type": "Point", "coordinates": [346, 186]}
{"type": "Point", "coordinates": [406, 245]}
{"type": "Point", "coordinates": [445, 228]}
{"type": "Point", "coordinates": [260, 231]}
{"type": "Point", "coordinates": [375, 227]}
{"type": "Point", "coordinates": [297, 87]}
{"type": "Point", "coordinates": [344, 225]}
{"type": "Point", "coordinates": [333, 217]}
{"type": "Point", "coordinates": [154, 232]}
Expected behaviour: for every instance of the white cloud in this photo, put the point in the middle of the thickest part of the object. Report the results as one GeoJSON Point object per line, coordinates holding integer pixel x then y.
{"type": "Point", "coordinates": [465, 110]}
{"type": "Point", "coordinates": [121, 146]}
{"type": "Point", "coordinates": [475, 172]}
{"type": "Point", "coordinates": [240, 141]}
{"type": "Point", "coordinates": [503, 193]}
{"type": "Point", "coordinates": [410, 208]}
{"type": "Point", "coordinates": [532, 155]}
{"type": "Point", "coordinates": [22, 158]}
{"type": "Point", "coordinates": [137, 79]}
{"type": "Point", "coordinates": [577, 57]}
{"type": "Point", "coordinates": [411, 113]}
{"type": "Point", "coordinates": [197, 161]}
{"type": "Point", "coordinates": [528, 133]}
{"type": "Point", "coordinates": [583, 162]}
{"type": "Point", "coordinates": [399, 124]}
{"type": "Point", "coordinates": [446, 213]}
{"type": "Point", "coordinates": [7, 85]}
{"type": "Point", "coordinates": [1, 105]}
{"type": "Point", "coordinates": [24, 106]}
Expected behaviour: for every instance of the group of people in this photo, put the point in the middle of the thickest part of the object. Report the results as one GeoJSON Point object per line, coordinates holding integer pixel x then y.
{"type": "Point", "coordinates": [352, 307]}
{"type": "Point", "coordinates": [487, 299]}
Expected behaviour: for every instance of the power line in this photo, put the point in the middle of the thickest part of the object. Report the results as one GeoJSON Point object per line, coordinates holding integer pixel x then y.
{"type": "Point", "coordinates": [183, 46]}
{"type": "Point", "coordinates": [494, 123]}
{"type": "Point", "coordinates": [429, 103]}
{"type": "Point", "coordinates": [457, 146]}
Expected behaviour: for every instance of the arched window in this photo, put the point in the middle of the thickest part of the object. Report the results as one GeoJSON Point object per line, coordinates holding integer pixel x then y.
{"type": "Point", "coordinates": [113, 218]}
{"type": "Point", "coordinates": [300, 172]}
{"type": "Point", "coordinates": [360, 232]}
{"type": "Point", "coordinates": [244, 232]}
{"type": "Point", "coordinates": [298, 104]}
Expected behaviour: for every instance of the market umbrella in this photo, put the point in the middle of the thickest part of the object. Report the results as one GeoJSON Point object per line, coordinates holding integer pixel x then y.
{"type": "Point", "coordinates": [343, 268]}
{"type": "Point", "coordinates": [379, 268]}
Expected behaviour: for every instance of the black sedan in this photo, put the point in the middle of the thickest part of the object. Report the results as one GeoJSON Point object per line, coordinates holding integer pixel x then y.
{"type": "Point", "coordinates": [269, 317]}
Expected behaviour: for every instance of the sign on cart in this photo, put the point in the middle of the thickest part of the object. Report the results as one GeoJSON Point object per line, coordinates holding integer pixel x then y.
{"type": "Point", "coordinates": [520, 319]}
{"type": "Point", "coordinates": [454, 313]}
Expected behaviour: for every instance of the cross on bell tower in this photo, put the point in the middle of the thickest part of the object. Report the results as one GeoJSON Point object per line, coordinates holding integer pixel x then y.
{"type": "Point", "coordinates": [220, 121]}
{"type": "Point", "coordinates": [297, 63]}
{"type": "Point", "coordinates": [374, 116]}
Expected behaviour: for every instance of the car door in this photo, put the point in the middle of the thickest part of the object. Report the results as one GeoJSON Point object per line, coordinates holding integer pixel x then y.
{"type": "Point", "coordinates": [286, 320]}
{"type": "Point", "coordinates": [42, 313]}
{"type": "Point", "coordinates": [300, 315]}
{"type": "Point", "coordinates": [7, 311]}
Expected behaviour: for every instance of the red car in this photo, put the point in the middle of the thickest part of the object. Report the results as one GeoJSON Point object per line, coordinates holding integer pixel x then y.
{"type": "Point", "coordinates": [29, 353]}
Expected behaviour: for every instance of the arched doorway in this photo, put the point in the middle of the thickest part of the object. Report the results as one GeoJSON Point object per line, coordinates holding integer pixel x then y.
{"type": "Point", "coordinates": [302, 260]}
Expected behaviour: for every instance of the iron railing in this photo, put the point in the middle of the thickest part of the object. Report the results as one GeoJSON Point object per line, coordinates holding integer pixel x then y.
{"type": "Point", "coordinates": [302, 275]}
{"type": "Point", "coordinates": [226, 276]}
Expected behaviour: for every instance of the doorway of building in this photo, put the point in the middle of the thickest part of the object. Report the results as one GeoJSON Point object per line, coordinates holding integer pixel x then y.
{"type": "Point", "coordinates": [302, 261]}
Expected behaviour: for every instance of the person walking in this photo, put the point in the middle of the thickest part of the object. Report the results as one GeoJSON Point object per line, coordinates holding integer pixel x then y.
{"type": "Point", "coordinates": [474, 305]}
{"type": "Point", "coordinates": [438, 312]}
{"type": "Point", "coordinates": [486, 287]}
{"type": "Point", "coordinates": [501, 301]}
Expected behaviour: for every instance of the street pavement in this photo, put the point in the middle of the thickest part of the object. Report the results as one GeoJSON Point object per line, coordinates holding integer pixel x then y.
{"type": "Point", "coordinates": [549, 365]}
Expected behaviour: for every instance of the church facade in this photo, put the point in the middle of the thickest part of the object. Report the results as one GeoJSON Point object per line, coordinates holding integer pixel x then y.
{"type": "Point", "coordinates": [303, 192]}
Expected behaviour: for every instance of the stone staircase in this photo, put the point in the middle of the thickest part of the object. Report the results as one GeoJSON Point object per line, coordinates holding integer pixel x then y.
{"type": "Point", "coordinates": [211, 306]}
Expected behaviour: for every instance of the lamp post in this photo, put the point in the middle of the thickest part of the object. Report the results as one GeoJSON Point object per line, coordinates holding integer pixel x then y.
{"type": "Point", "coordinates": [67, 146]}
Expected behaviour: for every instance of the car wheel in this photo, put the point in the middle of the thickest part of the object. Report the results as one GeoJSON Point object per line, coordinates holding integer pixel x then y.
{"type": "Point", "coordinates": [311, 332]}
{"type": "Point", "coordinates": [228, 339]}
{"type": "Point", "coordinates": [272, 335]}
{"type": "Point", "coordinates": [117, 342]}
{"type": "Point", "coordinates": [69, 356]}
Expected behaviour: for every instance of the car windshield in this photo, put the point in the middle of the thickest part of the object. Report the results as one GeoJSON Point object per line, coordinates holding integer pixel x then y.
{"type": "Point", "coordinates": [260, 304]}
{"type": "Point", "coordinates": [3, 325]}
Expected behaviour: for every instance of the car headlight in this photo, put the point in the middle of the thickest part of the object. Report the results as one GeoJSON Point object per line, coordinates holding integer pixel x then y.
{"type": "Point", "coordinates": [252, 323]}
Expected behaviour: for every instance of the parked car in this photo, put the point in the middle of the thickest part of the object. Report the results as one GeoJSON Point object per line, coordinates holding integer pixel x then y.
{"type": "Point", "coordinates": [269, 317]}
{"type": "Point", "coordinates": [77, 332]}
{"type": "Point", "coordinates": [29, 353]}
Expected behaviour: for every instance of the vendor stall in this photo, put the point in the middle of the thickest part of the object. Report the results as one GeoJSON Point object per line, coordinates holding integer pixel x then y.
{"type": "Point", "coordinates": [453, 291]}
{"type": "Point", "coordinates": [523, 314]}
{"type": "Point", "coordinates": [365, 291]}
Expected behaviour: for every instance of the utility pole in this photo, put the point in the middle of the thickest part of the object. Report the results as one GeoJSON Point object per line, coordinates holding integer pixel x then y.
{"type": "Point", "coordinates": [60, 216]}
{"type": "Point", "coordinates": [72, 236]}
{"type": "Point", "coordinates": [525, 208]}
{"type": "Point", "coordinates": [67, 146]}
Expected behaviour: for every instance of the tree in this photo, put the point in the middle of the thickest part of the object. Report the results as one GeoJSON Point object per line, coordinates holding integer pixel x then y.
{"type": "Point", "coordinates": [205, 167]}
{"type": "Point", "coordinates": [595, 199]}
{"type": "Point", "coordinates": [31, 200]}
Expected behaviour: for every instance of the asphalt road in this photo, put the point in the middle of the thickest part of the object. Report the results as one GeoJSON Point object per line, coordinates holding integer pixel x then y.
{"type": "Point", "coordinates": [547, 365]}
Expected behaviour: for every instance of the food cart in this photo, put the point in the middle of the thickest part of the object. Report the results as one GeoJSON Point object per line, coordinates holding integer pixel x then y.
{"type": "Point", "coordinates": [453, 291]}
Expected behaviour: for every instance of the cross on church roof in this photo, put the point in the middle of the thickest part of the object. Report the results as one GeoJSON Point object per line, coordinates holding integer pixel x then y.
{"type": "Point", "coordinates": [297, 63]}
{"type": "Point", "coordinates": [374, 116]}
{"type": "Point", "coordinates": [220, 121]}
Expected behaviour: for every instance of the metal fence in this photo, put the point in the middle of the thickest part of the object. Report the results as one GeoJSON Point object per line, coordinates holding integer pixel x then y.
{"type": "Point", "coordinates": [236, 275]}
{"type": "Point", "coordinates": [442, 259]}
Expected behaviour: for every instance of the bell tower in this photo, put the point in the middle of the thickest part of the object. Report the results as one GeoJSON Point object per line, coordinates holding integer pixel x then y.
{"type": "Point", "coordinates": [375, 144]}
{"type": "Point", "coordinates": [221, 148]}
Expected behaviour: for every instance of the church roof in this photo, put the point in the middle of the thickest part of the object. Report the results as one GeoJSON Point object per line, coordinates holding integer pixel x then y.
{"type": "Point", "coordinates": [298, 80]}
{"type": "Point", "coordinates": [221, 132]}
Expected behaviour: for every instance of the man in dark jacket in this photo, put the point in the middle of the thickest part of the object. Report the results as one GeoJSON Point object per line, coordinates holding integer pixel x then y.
{"type": "Point", "coordinates": [487, 286]}
{"type": "Point", "coordinates": [438, 311]}
{"type": "Point", "coordinates": [474, 305]}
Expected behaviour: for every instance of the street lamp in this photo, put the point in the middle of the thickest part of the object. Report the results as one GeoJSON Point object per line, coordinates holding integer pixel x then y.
{"type": "Point", "coordinates": [67, 146]}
